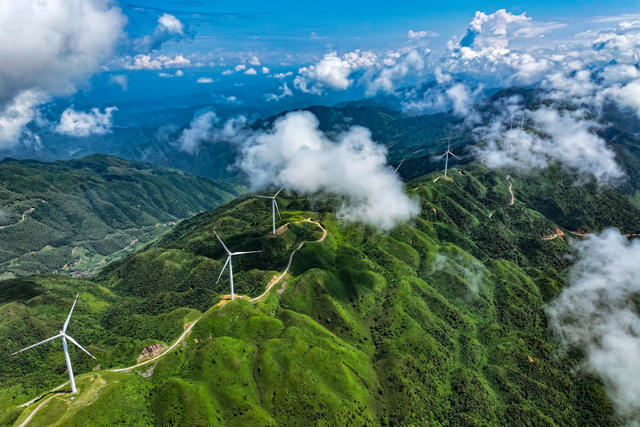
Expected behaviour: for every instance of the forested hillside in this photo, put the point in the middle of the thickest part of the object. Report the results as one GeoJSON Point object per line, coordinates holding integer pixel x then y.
{"type": "Point", "coordinates": [439, 319]}
{"type": "Point", "coordinates": [74, 216]}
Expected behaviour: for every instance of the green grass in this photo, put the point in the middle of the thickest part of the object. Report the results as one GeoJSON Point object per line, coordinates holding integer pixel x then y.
{"type": "Point", "coordinates": [432, 323]}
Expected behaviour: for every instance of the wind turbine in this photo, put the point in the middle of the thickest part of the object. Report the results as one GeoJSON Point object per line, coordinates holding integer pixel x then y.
{"type": "Point", "coordinates": [399, 164]}
{"type": "Point", "coordinates": [274, 207]}
{"type": "Point", "coordinates": [446, 156]}
{"type": "Point", "coordinates": [522, 121]}
{"type": "Point", "coordinates": [65, 338]}
{"type": "Point", "coordinates": [228, 261]}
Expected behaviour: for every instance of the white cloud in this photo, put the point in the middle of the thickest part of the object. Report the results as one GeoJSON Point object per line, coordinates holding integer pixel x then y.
{"type": "Point", "coordinates": [386, 79]}
{"type": "Point", "coordinates": [265, 70]}
{"type": "Point", "coordinates": [121, 80]}
{"type": "Point", "coordinates": [566, 137]}
{"type": "Point", "coordinates": [251, 72]}
{"type": "Point", "coordinates": [49, 48]}
{"type": "Point", "coordinates": [17, 113]}
{"type": "Point", "coordinates": [171, 24]}
{"type": "Point", "coordinates": [175, 61]}
{"type": "Point", "coordinates": [333, 71]}
{"type": "Point", "coordinates": [240, 67]}
{"type": "Point", "coordinates": [297, 155]}
{"type": "Point", "coordinates": [144, 62]}
{"type": "Point", "coordinates": [227, 72]}
{"type": "Point", "coordinates": [255, 61]}
{"type": "Point", "coordinates": [205, 80]}
{"type": "Point", "coordinates": [416, 35]}
{"type": "Point", "coordinates": [282, 75]}
{"type": "Point", "coordinates": [598, 313]}
{"type": "Point", "coordinates": [78, 123]}
{"type": "Point", "coordinates": [627, 96]}
{"type": "Point", "coordinates": [178, 73]}
{"type": "Point", "coordinates": [148, 62]}
{"type": "Point", "coordinates": [169, 27]}
{"type": "Point", "coordinates": [285, 92]}
{"type": "Point", "coordinates": [204, 128]}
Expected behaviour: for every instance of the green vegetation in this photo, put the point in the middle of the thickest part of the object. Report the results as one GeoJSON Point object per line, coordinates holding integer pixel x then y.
{"type": "Point", "coordinates": [76, 216]}
{"type": "Point", "coordinates": [438, 322]}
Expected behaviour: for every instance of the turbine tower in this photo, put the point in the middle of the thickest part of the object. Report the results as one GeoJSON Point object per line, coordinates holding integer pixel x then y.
{"type": "Point", "coordinates": [274, 207]}
{"type": "Point", "coordinates": [228, 261]}
{"type": "Point", "coordinates": [65, 338]}
{"type": "Point", "coordinates": [399, 164]}
{"type": "Point", "coordinates": [446, 156]}
{"type": "Point", "coordinates": [522, 121]}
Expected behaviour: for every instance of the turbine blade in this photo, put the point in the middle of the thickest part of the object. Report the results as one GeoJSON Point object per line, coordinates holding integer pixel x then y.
{"type": "Point", "coordinates": [223, 245]}
{"type": "Point", "coordinates": [455, 156]}
{"type": "Point", "coordinates": [262, 197]}
{"type": "Point", "coordinates": [223, 267]}
{"type": "Point", "coordinates": [276, 195]}
{"type": "Point", "coordinates": [399, 164]}
{"type": "Point", "coordinates": [66, 322]}
{"type": "Point", "coordinates": [277, 208]}
{"type": "Point", "coordinates": [79, 346]}
{"type": "Point", "coordinates": [247, 252]}
{"type": "Point", "coordinates": [35, 345]}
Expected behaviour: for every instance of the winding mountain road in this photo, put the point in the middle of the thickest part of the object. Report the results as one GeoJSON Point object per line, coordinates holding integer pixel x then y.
{"type": "Point", "coordinates": [24, 215]}
{"type": "Point", "coordinates": [181, 338]}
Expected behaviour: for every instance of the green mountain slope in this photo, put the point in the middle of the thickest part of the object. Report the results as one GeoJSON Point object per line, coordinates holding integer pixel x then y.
{"type": "Point", "coordinates": [78, 214]}
{"type": "Point", "coordinates": [438, 322]}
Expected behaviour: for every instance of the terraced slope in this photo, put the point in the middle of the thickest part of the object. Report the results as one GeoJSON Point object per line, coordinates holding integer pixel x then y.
{"type": "Point", "coordinates": [438, 322]}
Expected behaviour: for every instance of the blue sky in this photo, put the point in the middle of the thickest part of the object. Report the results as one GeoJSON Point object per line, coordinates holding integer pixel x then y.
{"type": "Point", "coordinates": [259, 58]}
{"type": "Point", "coordinates": [280, 27]}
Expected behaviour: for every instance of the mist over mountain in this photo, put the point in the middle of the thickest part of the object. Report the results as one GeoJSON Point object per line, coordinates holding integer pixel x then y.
{"type": "Point", "coordinates": [319, 214]}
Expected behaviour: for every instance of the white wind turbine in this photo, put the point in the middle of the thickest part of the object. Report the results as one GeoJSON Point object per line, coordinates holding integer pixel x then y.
{"type": "Point", "coordinates": [228, 261]}
{"type": "Point", "coordinates": [274, 207]}
{"type": "Point", "coordinates": [446, 156]}
{"type": "Point", "coordinates": [64, 337]}
{"type": "Point", "coordinates": [522, 121]}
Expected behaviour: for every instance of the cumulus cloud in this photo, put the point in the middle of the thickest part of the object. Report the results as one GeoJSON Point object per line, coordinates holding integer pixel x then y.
{"type": "Point", "coordinates": [121, 80]}
{"type": "Point", "coordinates": [205, 127]}
{"type": "Point", "coordinates": [387, 78]}
{"type": "Point", "coordinates": [15, 115]}
{"type": "Point", "coordinates": [79, 123]}
{"type": "Point", "coordinates": [599, 313]}
{"type": "Point", "coordinates": [550, 135]}
{"type": "Point", "coordinates": [255, 61]}
{"type": "Point", "coordinates": [169, 27]}
{"type": "Point", "coordinates": [149, 62]}
{"type": "Point", "coordinates": [285, 92]}
{"type": "Point", "coordinates": [297, 155]}
{"type": "Point", "coordinates": [333, 71]}
{"type": "Point", "coordinates": [251, 72]}
{"type": "Point", "coordinates": [204, 80]}
{"type": "Point", "coordinates": [54, 46]}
